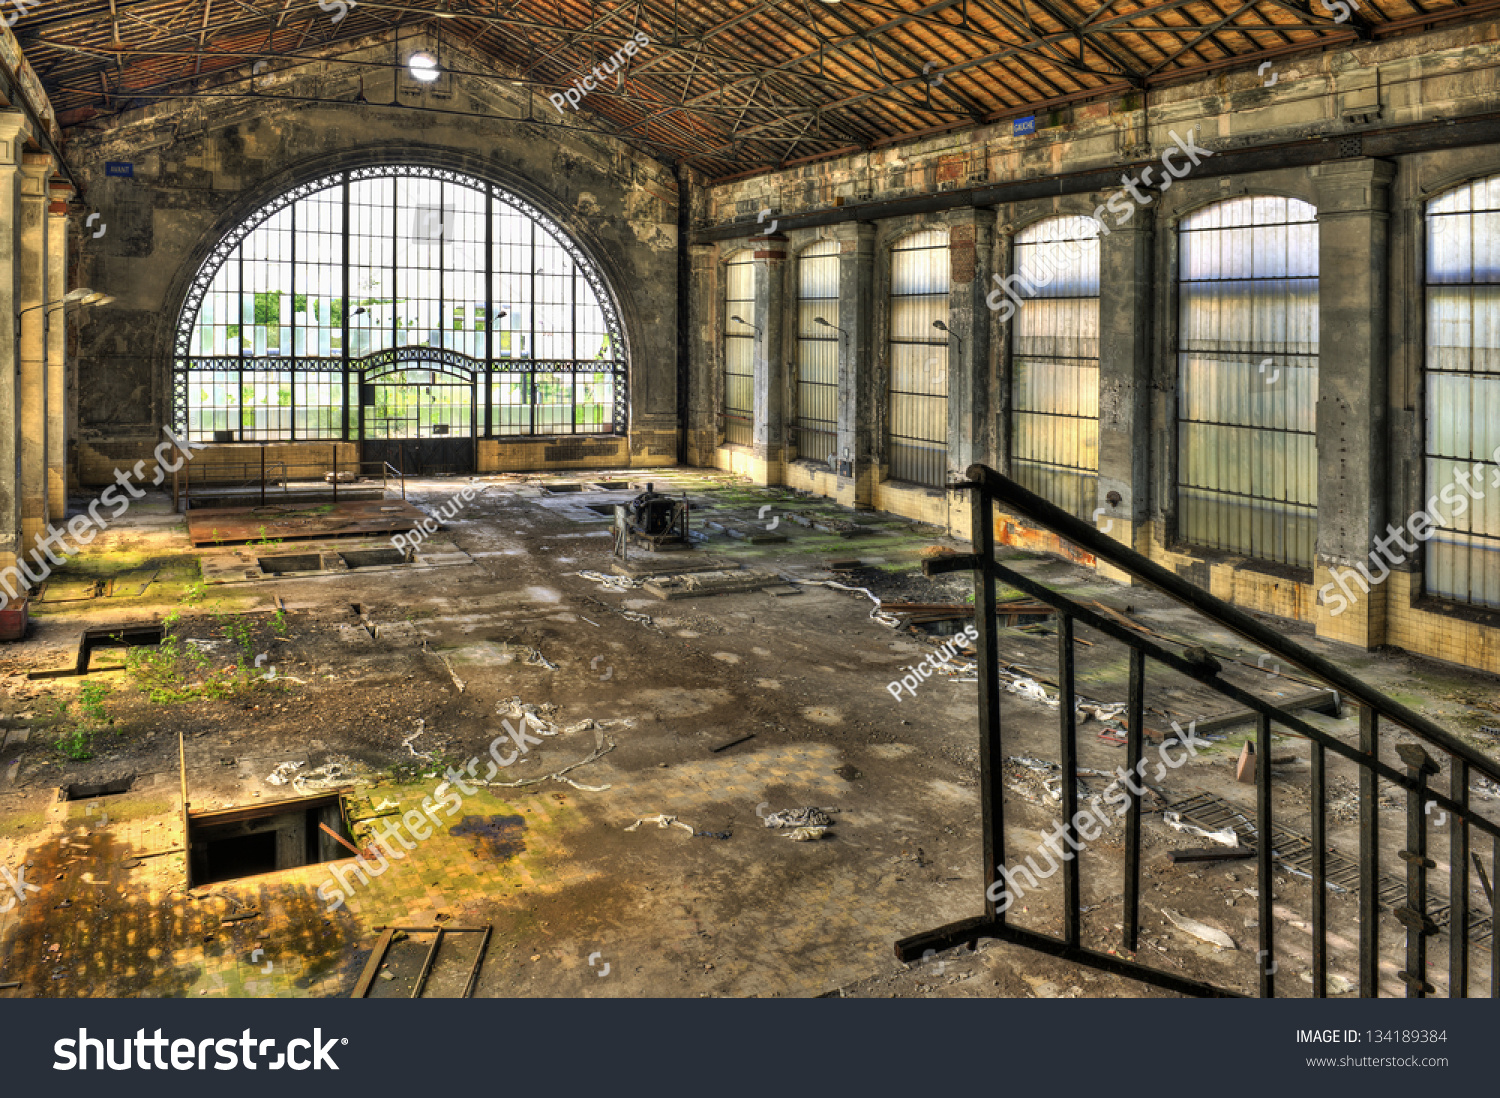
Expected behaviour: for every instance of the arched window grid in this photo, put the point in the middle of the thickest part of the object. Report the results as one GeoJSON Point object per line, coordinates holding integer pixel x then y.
{"type": "Point", "coordinates": [345, 275]}
{"type": "Point", "coordinates": [1461, 379]}
{"type": "Point", "coordinates": [918, 350]}
{"type": "Point", "coordinates": [1247, 379]}
{"type": "Point", "coordinates": [1055, 363]}
{"type": "Point", "coordinates": [738, 416]}
{"type": "Point", "coordinates": [815, 416]}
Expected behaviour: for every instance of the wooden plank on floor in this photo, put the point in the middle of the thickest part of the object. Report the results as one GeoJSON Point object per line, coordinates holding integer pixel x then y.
{"type": "Point", "coordinates": [372, 966]}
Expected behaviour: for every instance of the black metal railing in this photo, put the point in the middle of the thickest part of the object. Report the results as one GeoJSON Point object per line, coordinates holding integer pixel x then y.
{"type": "Point", "coordinates": [263, 476]}
{"type": "Point", "coordinates": [1413, 906]}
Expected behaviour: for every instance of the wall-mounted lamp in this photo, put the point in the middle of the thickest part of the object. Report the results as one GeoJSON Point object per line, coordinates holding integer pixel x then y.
{"type": "Point", "coordinates": [940, 326]}
{"type": "Point", "coordinates": [82, 296]}
{"type": "Point", "coordinates": [746, 323]}
{"type": "Point", "coordinates": [821, 323]}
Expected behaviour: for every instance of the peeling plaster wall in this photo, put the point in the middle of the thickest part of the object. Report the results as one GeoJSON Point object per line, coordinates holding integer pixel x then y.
{"type": "Point", "coordinates": [203, 164]}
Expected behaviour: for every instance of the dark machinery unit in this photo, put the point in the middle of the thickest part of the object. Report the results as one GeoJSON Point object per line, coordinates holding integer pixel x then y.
{"type": "Point", "coordinates": [652, 521]}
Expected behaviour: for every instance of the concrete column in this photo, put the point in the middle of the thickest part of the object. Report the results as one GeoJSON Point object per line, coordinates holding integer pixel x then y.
{"type": "Point", "coordinates": [13, 131]}
{"type": "Point", "coordinates": [772, 354]}
{"type": "Point", "coordinates": [1353, 205]}
{"type": "Point", "coordinates": [702, 305]}
{"type": "Point", "coordinates": [971, 374]}
{"type": "Point", "coordinates": [1002, 255]}
{"type": "Point", "coordinates": [1125, 310]}
{"type": "Point", "coordinates": [36, 169]}
{"type": "Point", "coordinates": [859, 388]}
{"type": "Point", "coordinates": [57, 352]}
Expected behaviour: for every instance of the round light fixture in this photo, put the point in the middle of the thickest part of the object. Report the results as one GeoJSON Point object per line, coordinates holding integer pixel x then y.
{"type": "Point", "coordinates": [423, 67]}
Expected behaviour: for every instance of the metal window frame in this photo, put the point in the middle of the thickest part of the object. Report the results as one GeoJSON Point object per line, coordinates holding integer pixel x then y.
{"type": "Point", "coordinates": [229, 249]}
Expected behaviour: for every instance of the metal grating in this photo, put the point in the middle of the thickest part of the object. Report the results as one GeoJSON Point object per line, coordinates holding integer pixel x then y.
{"type": "Point", "coordinates": [1295, 853]}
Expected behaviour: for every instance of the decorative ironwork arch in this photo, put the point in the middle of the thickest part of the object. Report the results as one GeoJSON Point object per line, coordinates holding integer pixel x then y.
{"type": "Point", "coordinates": [538, 366]}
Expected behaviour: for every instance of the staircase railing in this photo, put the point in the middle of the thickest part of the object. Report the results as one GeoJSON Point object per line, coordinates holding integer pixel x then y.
{"type": "Point", "coordinates": [1417, 768]}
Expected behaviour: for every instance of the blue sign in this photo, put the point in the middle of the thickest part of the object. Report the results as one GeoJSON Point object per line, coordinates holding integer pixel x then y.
{"type": "Point", "coordinates": [122, 168]}
{"type": "Point", "coordinates": [1023, 125]}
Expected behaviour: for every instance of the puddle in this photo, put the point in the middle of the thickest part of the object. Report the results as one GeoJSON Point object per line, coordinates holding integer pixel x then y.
{"type": "Point", "coordinates": [502, 837]}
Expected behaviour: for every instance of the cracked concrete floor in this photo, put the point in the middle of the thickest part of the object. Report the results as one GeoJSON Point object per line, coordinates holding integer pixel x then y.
{"type": "Point", "coordinates": [368, 672]}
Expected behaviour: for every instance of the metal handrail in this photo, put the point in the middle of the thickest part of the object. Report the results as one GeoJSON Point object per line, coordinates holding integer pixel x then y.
{"type": "Point", "coordinates": [1416, 913]}
{"type": "Point", "coordinates": [1014, 498]}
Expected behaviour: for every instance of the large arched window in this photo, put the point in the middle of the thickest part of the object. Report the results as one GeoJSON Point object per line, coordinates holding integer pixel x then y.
{"type": "Point", "coordinates": [418, 277]}
{"type": "Point", "coordinates": [739, 349]}
{"type": "Point", "coordinates": [815, 423]}
{"type": "Point", "coordinates": [918, 432]}
{"type": "Point", "coordinates": [1463, 391]}
{"type": "Point", "coordinates": [1055, 364]}
{"type": "Point", "coordinates": [1247, 379]}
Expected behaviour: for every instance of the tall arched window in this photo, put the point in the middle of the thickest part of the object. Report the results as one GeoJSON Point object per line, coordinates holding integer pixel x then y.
{"type": "Point", "coordinates": [919, 359]}
{"type": "Point", "coordinates": [815, 421]}
{"type": "Point", "coordinates": [739, 349]}
{"type": "Point", "coordinates": [1463, 391]}
{"type": "Point", "coordinates": [1055, 363]}
{"type": "Point", "coordinates": [1247, 379]}
{"type": "Point", "coordinates": [422, 278]}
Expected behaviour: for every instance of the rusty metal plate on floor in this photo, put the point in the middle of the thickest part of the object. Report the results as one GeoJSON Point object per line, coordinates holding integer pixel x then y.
{"type": "Point", "coordinates": [291, 522]}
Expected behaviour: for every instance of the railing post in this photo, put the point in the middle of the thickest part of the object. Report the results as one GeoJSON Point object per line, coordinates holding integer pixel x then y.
{"type": "Point", "coordinates": [1319, 872]}
{"type": "Point", "coordinates": [1369, 858]}
{"type": "Point", "coordinates": [1413, 915]}
{"type": "Point", "coordinates": [335, 472]}
{"type": "Point", "coordinates": [1134, 735]}
{"type": "Point", "coordinates": [991, 753]}
{"type": "Point", "coordinates": [262, 474]}
{"type": "Point", "coordinates": [1068, 752]}
{"type": "Point", "coordinates": [1458, 884]}
{"type": "Point", "coordinates": [1264, 854]}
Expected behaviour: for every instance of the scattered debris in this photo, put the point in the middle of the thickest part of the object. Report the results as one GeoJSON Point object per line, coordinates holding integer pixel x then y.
{"type": "Point", "coordinates": [1210, 854]}
{"type": "Point", "coordinates": [631, 615]}
{"type": "Point", "coordinates": [328, 776]}
{"type": "Point", "coordinates": [731, 743]}
{"type": "Point", "coordinates": [1244, 768]}
{"type": "Point", "coordinates": [1202, 931]}
{"type": "Point", "coordinates": [662, 821]}
{"type": "Point", "coordinates": [608, 582]}
{"type": "Point", "coordinates": [876, 614]}
{"type": "Point", "coordinates": [806, 834]}
{"type": "Point", "coordinates": [800, 817]}
{"type": "Point", "coordinates": [406, 743]}
{"type": "Point", "coordinates": [283, 773]}
{"type": "Point", "coordinates": [600, 750]}
{"type": "Point", "coordinates": [1226, 837]}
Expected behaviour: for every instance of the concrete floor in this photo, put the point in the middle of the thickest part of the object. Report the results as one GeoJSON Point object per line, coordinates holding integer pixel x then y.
{"type": "Point", "coordinates": [367, 672]}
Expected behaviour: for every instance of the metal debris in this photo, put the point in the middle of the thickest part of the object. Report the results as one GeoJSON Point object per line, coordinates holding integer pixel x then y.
{"type": "Point", "coordinates": [800, 817]}
{"type": "Point", "coordinates": [661, 821]}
